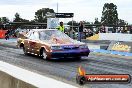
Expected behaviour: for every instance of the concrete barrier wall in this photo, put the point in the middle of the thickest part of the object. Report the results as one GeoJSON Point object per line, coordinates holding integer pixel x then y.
{"type": "Point", "coordinates": [94, 37]}
{"type": "Point", "coordinates": [7, 81]}
{"type": "Point", "coordinates": [115, 37]}
{"type": "Point", "coordinates": [15, 77]}
{"type": "Point", "coordinates": [112, 36]}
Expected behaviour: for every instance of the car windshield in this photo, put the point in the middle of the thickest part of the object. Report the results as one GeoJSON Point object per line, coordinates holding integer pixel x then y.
{"type": "Point", "coordinates": [50, 34]}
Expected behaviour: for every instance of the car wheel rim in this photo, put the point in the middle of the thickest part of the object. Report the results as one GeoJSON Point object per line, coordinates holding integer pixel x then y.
{"type": "Point", "coordinates": [44, 55]}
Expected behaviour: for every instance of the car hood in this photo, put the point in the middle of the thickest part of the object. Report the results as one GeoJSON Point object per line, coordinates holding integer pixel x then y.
{"type": "Point", "coordinates": [63, 42]}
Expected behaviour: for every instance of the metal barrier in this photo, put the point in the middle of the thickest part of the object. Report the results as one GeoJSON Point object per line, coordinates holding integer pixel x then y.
{"type": "Point", "coordinates": [74, 35]}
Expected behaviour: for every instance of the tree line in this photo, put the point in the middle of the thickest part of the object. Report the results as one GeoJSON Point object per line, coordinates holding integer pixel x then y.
{"type": "Point", "coordinates": [109, 17]}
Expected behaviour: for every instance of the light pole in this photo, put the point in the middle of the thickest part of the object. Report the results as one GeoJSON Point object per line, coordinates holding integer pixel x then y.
{"type": "Point", "coordinates": [57, 7]}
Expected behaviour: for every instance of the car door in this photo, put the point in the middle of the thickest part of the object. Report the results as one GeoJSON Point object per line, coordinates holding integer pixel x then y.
{"type": "Point", "coordinates": [31, 43]}
{"type": "Point", "coordinates": [27, 42]}
{"type": "Point", "coordinates": [34, 42]}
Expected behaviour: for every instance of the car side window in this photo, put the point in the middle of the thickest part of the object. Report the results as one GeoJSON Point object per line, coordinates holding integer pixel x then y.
{"type": "Point", "coordinates": [29, 34]}
{"type": "Point", "coordinates": [34, 36]}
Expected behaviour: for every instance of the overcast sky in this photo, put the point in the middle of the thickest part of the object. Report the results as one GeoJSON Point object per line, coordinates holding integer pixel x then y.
{"type": "Point", "coordinates": [83, 9]}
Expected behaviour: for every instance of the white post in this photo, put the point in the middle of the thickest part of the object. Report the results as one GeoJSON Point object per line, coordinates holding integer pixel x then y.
{"type": "Point", "coordinates": [72, 23]}
{"type": "Point", "coordinates": [57, 7]}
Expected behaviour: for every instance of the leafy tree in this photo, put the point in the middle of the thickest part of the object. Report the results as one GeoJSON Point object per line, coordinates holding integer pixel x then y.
{"type": "Point", "coordinates": [0, 21]}
{"type": "Point", "coordinates": [40, 15]}
{"type": "Point", "coordinates": [74, 23]}
{"type": "Point", "coordinates": [96, 21]}
{"type": "Point", "coordinates": [109, 14]}
{"type": "Point", "coordinates": [4, 20]}
{"type": "Point", "coordinates": [86, 22]}
{"type": "Point", "coordinates": [32, 21]}
{"type": "Point", "coordinates": [122, 22]}
{"type": "Point", "coordinates": [25, 20]}
{"type": "Point", "coordinates": [19, 19]}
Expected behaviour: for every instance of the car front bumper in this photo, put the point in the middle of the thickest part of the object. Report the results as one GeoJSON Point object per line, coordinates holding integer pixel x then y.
{"type": "Point", "coordinates": [70, 53]}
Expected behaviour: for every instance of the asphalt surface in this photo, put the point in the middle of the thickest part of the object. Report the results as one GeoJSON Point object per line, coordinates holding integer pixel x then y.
{"type": "Point", "coordinates": [66, 70]}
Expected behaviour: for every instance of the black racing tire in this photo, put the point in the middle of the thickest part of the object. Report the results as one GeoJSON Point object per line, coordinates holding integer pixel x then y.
{"type": "Point", "coordinates": [43, 54]}
{"type": "Point", "coordinates": [24, 51]}
{"type": "Point", "coordinates": [21, 46]}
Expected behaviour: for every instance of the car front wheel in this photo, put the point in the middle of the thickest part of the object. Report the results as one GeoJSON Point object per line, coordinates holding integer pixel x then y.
{"type": "Point", "coordinates": [43, 54]}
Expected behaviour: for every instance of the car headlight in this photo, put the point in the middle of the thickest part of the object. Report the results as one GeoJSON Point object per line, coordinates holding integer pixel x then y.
{"type": "Point", "coordinates": [56, 47]}
{"type": "Point", "coordinates": [83, 47]}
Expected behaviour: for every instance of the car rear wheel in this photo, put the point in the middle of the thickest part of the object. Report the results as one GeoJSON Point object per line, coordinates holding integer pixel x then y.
{"type": "Point", "coordinates": [43, 54]}
{"type": "Point", "coordinates": [24, 51]}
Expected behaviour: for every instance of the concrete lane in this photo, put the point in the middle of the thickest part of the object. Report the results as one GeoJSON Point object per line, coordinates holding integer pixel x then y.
{"type": "Point", "coordinates": [66, 70]}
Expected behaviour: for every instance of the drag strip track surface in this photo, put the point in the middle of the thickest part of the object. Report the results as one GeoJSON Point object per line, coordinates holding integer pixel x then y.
{"type": "Point", "coordinates": [66, 70]}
